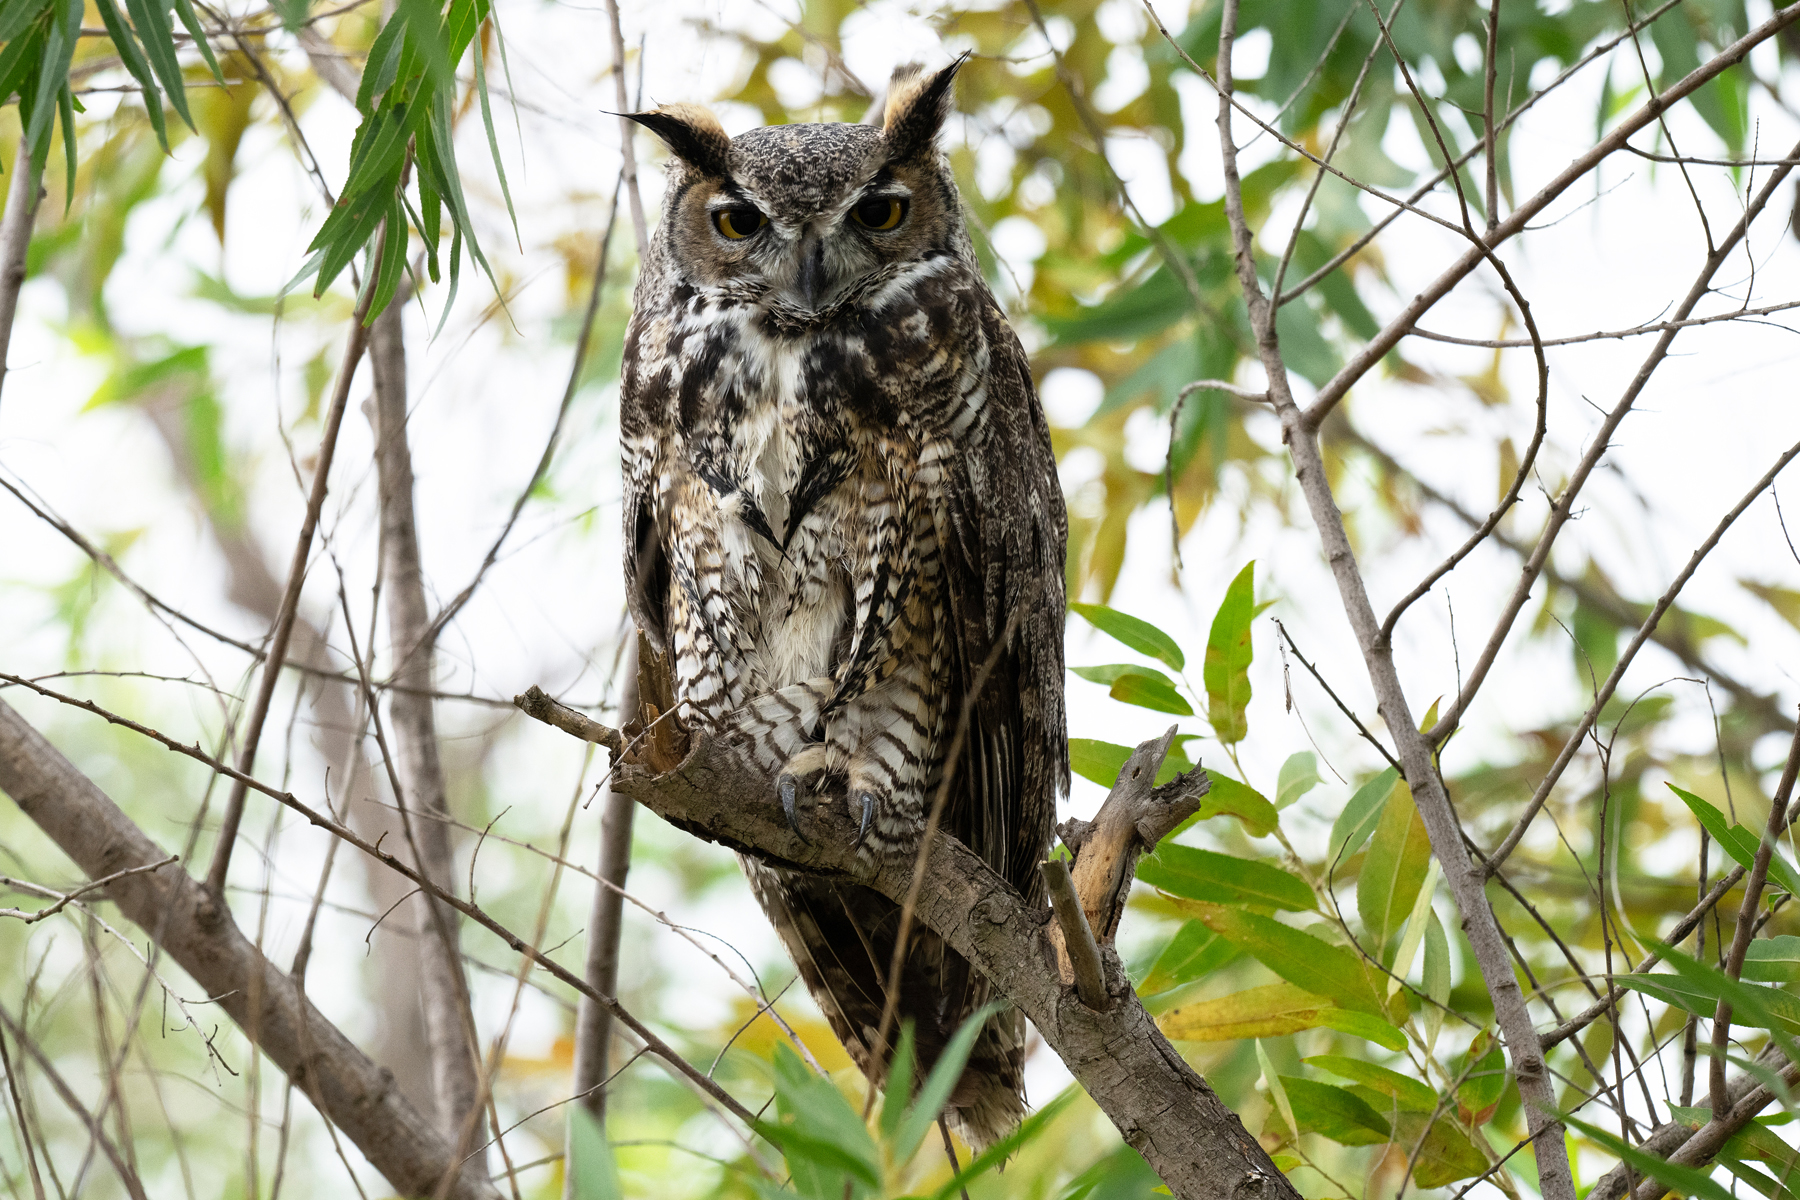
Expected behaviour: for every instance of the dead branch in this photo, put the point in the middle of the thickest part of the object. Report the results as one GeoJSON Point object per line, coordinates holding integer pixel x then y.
{"type": "Point", "coordinates": [539, 706]}
{"type": "Point", "coordinates": [63, 899]}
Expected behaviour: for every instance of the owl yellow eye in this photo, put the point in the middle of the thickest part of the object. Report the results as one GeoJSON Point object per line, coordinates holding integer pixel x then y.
{"type": "Point", "coordinates": [880, 214]}
{"type": "Point", "coordinates": [738, 223]}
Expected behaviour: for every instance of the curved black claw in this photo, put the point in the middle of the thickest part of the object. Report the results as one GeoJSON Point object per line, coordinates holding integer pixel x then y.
{"type": "Point", "coordinates": [862, 827]}
{"type": "Point", "coordinates": [787, 787]}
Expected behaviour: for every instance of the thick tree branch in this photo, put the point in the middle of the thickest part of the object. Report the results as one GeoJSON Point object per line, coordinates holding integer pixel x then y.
{"type": "Point", "coordinates": [197, 931]}
{"type": "Point", "coordinates": [1159, 1104]}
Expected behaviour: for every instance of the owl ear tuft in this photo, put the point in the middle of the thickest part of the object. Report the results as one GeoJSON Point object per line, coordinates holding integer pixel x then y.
{"type": "Point", "coordinates": [692, 134]}
{"type": "Point", "coordinates": [917, 106]}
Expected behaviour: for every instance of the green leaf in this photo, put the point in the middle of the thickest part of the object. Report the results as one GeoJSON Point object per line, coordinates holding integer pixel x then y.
{"type": "Point", "coordinates": [1140, 635]}
{"type": "Point", "coordinates": [151, 18]}
{"type": "Point", "coordinates": [1740, 843]}
{"type": "Point", "coordinates": [1227, 795]}
{"type": "Point", "coordinates": [1687, 1180]}
{"type": "Point", "coordinates": [1392, 872]}
{"type": "Point", "coordinates": [184, 9]}
{"type": "Point", "coordinates": [1023, 1134]}
{"type": "Point", "coordinates": [1224, 879]}
{"type": "Point", "coordinates": [899, 1082]}
{"type": "Point", "coordinates": [1113, 672]}
{"type": "Point", "coordinates": [1101, 762]}
{"type": "Point", "coordinates": [1408, 1093]}
{"type": "Point", "coordinates": [591, 1165]}
{"type": "Point", "coordinates": [1362, 1025]}
{"type": "Point", "coordinates": [822, 1137]}
{"type": "Point", "coordinates": [1445, 1152]}
{"type": "Point", "coordinates": [1228, 656]}
{"type": "Point", "coordinates": [1300, 958]}
{"type": "Point", "coordinates": [133, 58]}
{"type": "Point", "coordinates": [1360, 816]}
{"type": "Point", "coordinates": [1699, 987]}
{"type": "Point", "coordinates": [1484, 1079]}
{"type": "Point", "coordinates": [1277, 1092]}
{"type": "Point", "coordinates": [1773, 960]}
{"type": "Point", "coordinates": [1267, 1011]}
{"type": "Point", "coordinates": [1154, 694]}
{"type": "Point", "coordinates": [1299, 775]}
{"type": "Point", "coordinates": [1195, 951]}
{"type": "Point", "coordinates": [1436, 978]}
{"type": "Point", "coordinates": [936, 1093]}
{"type": "Point", "coordinates": [1329, 1110]}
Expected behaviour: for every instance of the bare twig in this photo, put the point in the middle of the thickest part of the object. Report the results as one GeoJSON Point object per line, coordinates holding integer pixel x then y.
{"type": "Point", "coordinates": [290, 599]}
{"type": "Point", "coordinates": [133, 1185]}
{"type": "Point", "coordinates": [64, 899]}
{"type": "Point", "coordinates": [1077, 938]}
{"type": "Point", "coordinates": [1465, 878]}
{"type": "Point", "coordinates": [1606, 690]}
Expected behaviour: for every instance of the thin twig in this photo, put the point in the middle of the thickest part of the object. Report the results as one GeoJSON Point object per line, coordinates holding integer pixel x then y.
{"type": "Point", "coordinates": [23, 195]}
{"type": "Point", "coordinates": [64, 899]}
{"type": "Point", "coordinates": [1078, 937]}
{"type": "Point", "coordinates": [290, 598]}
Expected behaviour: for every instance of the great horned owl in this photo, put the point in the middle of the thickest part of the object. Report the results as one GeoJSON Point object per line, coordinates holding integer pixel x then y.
{"type": "Point", "coordinates": [839, 487]}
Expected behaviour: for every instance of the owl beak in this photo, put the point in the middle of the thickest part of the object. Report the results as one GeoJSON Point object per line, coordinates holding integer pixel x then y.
{"type": "Point", "coordinates": [812, 271]}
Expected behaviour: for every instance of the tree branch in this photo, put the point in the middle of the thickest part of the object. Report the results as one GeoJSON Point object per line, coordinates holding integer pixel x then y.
{"type": "Point", "coordinates": [1159, 1104]}
{"type": "Point", "coordinates": [22, 197]}
{"type": "Point", "coordinates": [197, 931]}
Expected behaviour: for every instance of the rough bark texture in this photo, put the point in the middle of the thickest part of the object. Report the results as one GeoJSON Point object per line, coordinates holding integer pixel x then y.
{"type": "Point", "coordinates": [399, 1042]}
{"type": "Point", "coordinates": [198, 933]}
{"type": "Point", "coordinates": [455, 1058]}
{"type": "Point", "coordinates": [1159, 1104]}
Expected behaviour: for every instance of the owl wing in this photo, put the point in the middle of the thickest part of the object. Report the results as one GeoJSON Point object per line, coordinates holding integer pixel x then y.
{"type": "Point", "coordinates": [643, 440]}
{"type": "Point", "coordinates": [1003, 544]}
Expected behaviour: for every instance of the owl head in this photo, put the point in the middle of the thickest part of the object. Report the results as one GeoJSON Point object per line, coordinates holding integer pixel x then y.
{"type": "Point", "coordinates": [808, 210]}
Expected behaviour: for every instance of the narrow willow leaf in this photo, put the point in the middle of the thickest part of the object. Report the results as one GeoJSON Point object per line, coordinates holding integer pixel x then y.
{"type": "Point", "coordinates": [1228, 656]}
{"type": "Point", "coordinates": [1224, 879]}
{"type": "Point", "coordinates": [1111, 673]}
{"type": "Point", "coordinates": [487, 123]}
{"type": "Point", "coordinates": [134, 61]}
{"type": "Point", "coordinates": [151, 17]}
{"type": "Point", "coordinates": [184, 9]}
{"type": "Point", "coordinates": [1415, 929]}
{"type": "Point", "coordinates": [1227, 795]}
{"type": "Point", "coordinates": [1436, 978]}
{"type": "Point", "coordinates": [1154, 694]}
{"type": "Point", "coordinates": [822, 1137]}
{"type": "Point", "coordinates": [1362, 1025]}
{"type": "Point", "coordinates": [1360, 816]}
{"type": "Point", "coordinates": [1297, 956]}
{"type": "Point", "coordinates": [1193, 953]}
{"type": "Point", "coordinates": [1407, 1092]}
{"type": "Point", "coordinates": [899, 1083]}
{"type": "Point", "coordinates": [1139, 634]}
{"type": "Point", "coordinates": [1689, 1181]}
{"type": "Point", "coordinates": [1393, 871]}
{"type": "Point", "coordinates": [1023, 1134]}
{"type": "Point", "coordinates": [1735, 840]}
{"type": "Point", "coordinates": [1277, 1093]}
{"type": "Point", "coordinates": [942, 1081]}
{"type": "Point", "coordinates": [1267, 1011]}
{"type": "Point", "coordinates": [1299, 775]}
{"type": "Point", "coordinates": [1773, 960]}
{"type": "Point", "coordinates": [1326, 1109]}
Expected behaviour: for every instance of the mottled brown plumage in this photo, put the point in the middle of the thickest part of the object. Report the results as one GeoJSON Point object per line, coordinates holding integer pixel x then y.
{"type": "Point", "coordinates": [838, 488]}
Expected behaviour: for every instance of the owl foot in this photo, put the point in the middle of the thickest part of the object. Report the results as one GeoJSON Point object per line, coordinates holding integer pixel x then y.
{"type": "Point", "coordinates": [867, 800]}
{"type": "Point", "coordinates": [787, 787]}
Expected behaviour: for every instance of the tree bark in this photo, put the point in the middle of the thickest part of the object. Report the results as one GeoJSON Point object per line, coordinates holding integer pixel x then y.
{"type": "Point", "coordinates": [198, 932]}
{"type": "Point", "coordinates": [449, 1026]}
{"type": "Point", "coordinates": [15, 239]}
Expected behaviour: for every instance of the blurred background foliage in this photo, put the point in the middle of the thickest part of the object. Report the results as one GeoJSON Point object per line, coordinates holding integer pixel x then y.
{"type": "Point", "coordinates": [1067, 110]}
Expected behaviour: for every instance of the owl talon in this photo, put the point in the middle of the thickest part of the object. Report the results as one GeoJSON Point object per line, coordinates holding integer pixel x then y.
{"type": "Point", "coordinates": [786, 787]}
{"type": "Point", "coordinates": [862, 827]}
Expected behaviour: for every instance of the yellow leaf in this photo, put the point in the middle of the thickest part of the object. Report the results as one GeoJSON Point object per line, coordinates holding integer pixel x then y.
{"type": "Point", "coordinates": [1260, 1012]}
